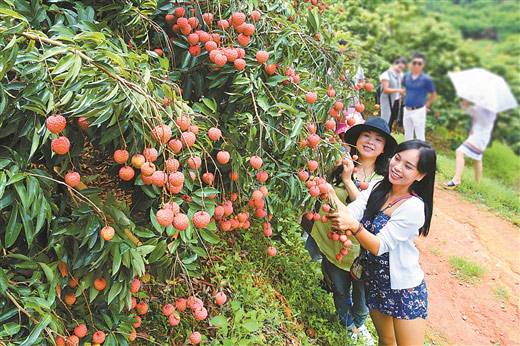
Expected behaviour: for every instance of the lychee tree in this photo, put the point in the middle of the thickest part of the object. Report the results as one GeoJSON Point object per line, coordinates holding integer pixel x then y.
{"type": "Point", "coordinates": [131, 145]}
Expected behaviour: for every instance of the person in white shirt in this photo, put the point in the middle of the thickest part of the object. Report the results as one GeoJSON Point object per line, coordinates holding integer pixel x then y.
{"type": "Point", "coordinates": [391, 91]}
{"type": "Point", "coordinates": [386, 219]}
{"type": "Point", "coordinates": [482, 123]}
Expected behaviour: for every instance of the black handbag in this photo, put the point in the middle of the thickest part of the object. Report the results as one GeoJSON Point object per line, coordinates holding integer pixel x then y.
{"type": "Point", "coordinates": [356, 269]}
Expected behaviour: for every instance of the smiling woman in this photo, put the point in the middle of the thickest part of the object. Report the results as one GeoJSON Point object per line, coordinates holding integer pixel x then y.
{"type": "Point", "coordinates": [386, 220]}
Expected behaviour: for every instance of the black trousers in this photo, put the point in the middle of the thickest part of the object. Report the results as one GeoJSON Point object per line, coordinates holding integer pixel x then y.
{"type": "Point", "coordinates": [396, 114]}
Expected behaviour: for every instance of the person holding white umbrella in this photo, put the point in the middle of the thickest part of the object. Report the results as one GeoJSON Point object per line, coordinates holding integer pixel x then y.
{"type": "Point", "coordinates": [482, 123]}
{"type": "Point", "coordinates": [490, 95]}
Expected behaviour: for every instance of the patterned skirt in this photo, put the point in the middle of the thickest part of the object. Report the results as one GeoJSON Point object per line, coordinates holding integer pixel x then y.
{"type": "Point", "coordinates": [407, 304]}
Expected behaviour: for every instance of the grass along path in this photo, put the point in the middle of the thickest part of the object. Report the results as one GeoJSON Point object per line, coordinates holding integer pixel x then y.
{"type": "Point", "coordinates": [490, 191]}
{"type": "Point", "coordinates": [472, 273]}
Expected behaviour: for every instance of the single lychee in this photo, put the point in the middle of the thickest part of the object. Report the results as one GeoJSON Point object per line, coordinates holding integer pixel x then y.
{"type": "Point", "coordinates": [181, 222]}
{"type": "Point", "coordinates": [100, 284]}
{"type": "Point", "coordinates": [223, 157]}
{"type": "Point", "coordinates": [56, 123]}
{"type": "Point", "coordinates": [168, 309]}
{"type": "Point", "coordinates": [164, 217]}
{"type": "Point", "coordinates": [255, 162]}
{"type": "Point", "coordinates": [60, 145]}
{"type": "Point", "coordinates": [195, 338]}
{"type": "Point", "coordinates": [107, 233]}
{"type": "Point", "coordinates": [220, 298]}
{"type": "Point", "coordinates": [126, 173]}
{"type": "Point", "coordinates": [162, 133]}
{"type": "Point", "coordinates": [141, 308]}
{"type": "Point", "coordinates": [81, 330]}
{"type": "Point", "coordinates": [121, 156]}
{"type": "Point", "coordinates": [138, 160]}
{"type": "Point", "coordinates": [98, 337]}
{"type": "Point", "coordinates": [262, 56]}
{"type": "Point", "coordinates": [201, 219]}
{"type": "Point", "coordinates": [73, 179]}
{"type": "Point", "coordinates": [180, 304]}
{"type": "Point", "coordinates": [311, 97]}
{"type": "Point", "coordinates": [135, 285]}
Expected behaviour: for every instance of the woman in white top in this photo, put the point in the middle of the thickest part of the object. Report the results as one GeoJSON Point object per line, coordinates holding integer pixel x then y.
{"type": "Point", "coordinates": [482, 123]}
{"type": "Point", "coordinates": [391, 90]}
{"type": "Point", "coordinates": [386, 219]}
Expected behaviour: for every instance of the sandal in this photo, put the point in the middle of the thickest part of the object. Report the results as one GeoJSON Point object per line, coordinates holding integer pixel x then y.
{"type": "Point", "coordinates": [451, 185]}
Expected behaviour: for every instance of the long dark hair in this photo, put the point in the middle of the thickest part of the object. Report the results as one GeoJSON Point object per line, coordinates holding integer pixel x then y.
{"type": "Point", "coordinates": [381, 164]}
{"type": "Point", "coordinates": [423, 189]}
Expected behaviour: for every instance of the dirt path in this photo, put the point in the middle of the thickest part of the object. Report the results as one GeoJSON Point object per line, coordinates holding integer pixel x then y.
{"type": "Point", "coordinates": [485, 312]}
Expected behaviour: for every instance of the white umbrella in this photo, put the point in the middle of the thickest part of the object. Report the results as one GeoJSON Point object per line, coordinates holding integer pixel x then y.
{"type": "Point", "coordinates": [483, 88]}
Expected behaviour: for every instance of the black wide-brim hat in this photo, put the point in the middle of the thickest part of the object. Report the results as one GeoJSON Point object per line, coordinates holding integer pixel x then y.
{"type": "Point", "coordinates": [376, 124]}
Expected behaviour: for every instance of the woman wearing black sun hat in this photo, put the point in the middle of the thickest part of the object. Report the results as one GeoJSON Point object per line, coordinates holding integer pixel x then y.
{"type": "Point", "coordinates": [373, 145]}
{"type": "Point", "coordinates": [372, 156]}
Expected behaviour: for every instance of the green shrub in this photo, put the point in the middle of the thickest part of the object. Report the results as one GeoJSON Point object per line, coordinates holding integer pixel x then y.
{"type": "Point", "coordinates": [501, 162]}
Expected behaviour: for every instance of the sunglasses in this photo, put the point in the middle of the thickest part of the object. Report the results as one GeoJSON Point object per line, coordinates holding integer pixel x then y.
{"type": "Point", "coordinates": [417, 62]}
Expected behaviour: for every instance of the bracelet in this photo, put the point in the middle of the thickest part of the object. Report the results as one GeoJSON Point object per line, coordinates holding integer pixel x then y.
{"type": "Point", "coordinates": [360, 227]}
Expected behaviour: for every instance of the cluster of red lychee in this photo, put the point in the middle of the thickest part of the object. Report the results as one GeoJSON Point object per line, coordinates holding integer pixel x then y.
{"type": "Point", "coordinates": [198, 310]}
{"type": "Point", "coordinates": [60, 145]}
{"type": "Point", "coordinates": [234, 27]}
{"type": "Point", "coordinates": [80, 332]}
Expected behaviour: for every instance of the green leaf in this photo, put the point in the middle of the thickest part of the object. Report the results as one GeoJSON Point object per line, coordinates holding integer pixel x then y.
{"type": "Point", "coordinates": [15, 178]}
{"type": "Point", "coordinates": [64, 64]}
{"type": "Point", "coordinates": [110, 340]}
{"type": "Point", "coordinates": [251, 325]}
{"type": "Point", "coordinates": [11, 13]}
{"type": "Point", "coordinates": [263, 103]}
{"type": "Point", "coordinates": [35, 333]}
{"type": "Point", "coordinates": [205, 192]}
{"type": "Point", "coordinates": [120, 217]}
{"type": "Point", "coordinates": [313, 21]}
{"type": "Point", "coordinates": [116, 259]}
{"type": "Point", "coordinates": [3, 183]}
{"type": "Point", "coordinates": [145, 249]}
{"type": "Point", "coordinates": [22, 193]}
{"type": "Point", "coordinates": [219, 321]}
{"type": "Point", "coordinates": [92, 293]}
{"type": "Point", "coordinates": [190, 259]}
{"type": "Point", "coordinates": [54, 51]}
{"type": "Point", "coordinates": [35, 143]}
{"type": "Point", "coordinates": [114, 291]}
{"type": "Point", "coordinates": [137, 262]}
{"type": "Point", "coordinates": [3, 282]}
{"type": "Point", "coordinates": [13, 228]}
{"type": "Point", "coordinates": [209, 236]}
{"type": "Point", "coordinates": [158, 252]}
{"type": "Point", "coordinates": [27, 226]}
{"type": "Point", "coordinates": [49, 274]}
{"type": "Point", "coordinates": [210, 103]}
{"type": "Point", "coordinates": [10, 329]}
{"type": "Point", "coordinates": [74, 70]}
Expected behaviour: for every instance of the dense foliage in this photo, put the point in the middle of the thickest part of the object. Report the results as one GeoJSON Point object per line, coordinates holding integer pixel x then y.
{"type": "Point", "coordinates": [385, 30]}
{"type": "Point", "coordinates": [208, 125]}
{"type": "Point", "coordinates": [479, 19]}
{"type": "Point", "coordinates": [147, 147]}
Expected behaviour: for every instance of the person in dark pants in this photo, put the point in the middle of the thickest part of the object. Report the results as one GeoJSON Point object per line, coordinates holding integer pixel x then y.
{"type": "Point", "coordinates": [373, 145]}
{"type": "Point", "coordinates": [392, 91]}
